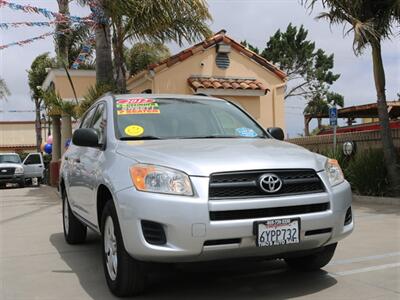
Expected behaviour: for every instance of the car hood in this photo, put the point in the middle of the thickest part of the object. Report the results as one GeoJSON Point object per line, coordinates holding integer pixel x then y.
{"type": "Point", "coordinates": [201, 157]}
{"type": "Point", "coordinates": [9, 165]}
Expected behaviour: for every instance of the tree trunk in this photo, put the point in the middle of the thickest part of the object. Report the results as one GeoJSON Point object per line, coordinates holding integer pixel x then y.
{"type": "Point", "coordinates": [38, 126]}
{"type": "Point", "coordinates": [66, 131]}
{"type": "Point", "coordinates": [119, 61]}
{"type": "Point", "coordinates": [104, 69]}
{"type": "Point", "coordinates": [62, 40]}
{"type": "Point", "coordinates": [389, 150]}
{"type": "Point", "coordinates": [319, 123]}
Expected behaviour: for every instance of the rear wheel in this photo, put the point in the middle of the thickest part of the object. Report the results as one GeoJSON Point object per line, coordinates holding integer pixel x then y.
{"type": "Point", "coordinates": [314, 261]}
{"type": "Point", "coordinates": [125, 276]}
{"type": "Point", "coordinates": [74, 230]}
{"type": "Point", "coordinates": [21, 184]}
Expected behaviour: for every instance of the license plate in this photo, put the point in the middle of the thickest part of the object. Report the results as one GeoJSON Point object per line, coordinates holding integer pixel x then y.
{"type": "Point", "coordinates": [277, 232]}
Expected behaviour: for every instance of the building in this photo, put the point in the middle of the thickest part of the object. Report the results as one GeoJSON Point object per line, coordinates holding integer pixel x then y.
{"type": "Point", "coordinates": [220, 67]}
{"type": "Point", "coordinates": [17, 136]}
{"type": "Point", "coordinates": [82, 80]}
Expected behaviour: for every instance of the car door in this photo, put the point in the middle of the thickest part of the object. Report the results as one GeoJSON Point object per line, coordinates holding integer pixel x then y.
{"type": "Point", "coordinates": [33, 165]}
{"type": "Point", "coordinates": [90, 161]}
{"type": "Point", "coordinates": [75, 173]}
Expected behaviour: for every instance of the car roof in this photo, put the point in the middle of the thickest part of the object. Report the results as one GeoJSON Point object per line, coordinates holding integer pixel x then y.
{"type": "Point", "coordinates": [9, 153]}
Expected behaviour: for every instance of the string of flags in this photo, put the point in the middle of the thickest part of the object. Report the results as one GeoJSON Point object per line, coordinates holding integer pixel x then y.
{"type": "Point", "coordinates": [96, 18]}
{"type": "Point", "coordinates": [40, 24]}
{"type": "Point", "coordinates": [43, 11]}
{"type": "Point", "coordinates": [30, 40]}
{"type": "Point", "coordinates": [85, 52]}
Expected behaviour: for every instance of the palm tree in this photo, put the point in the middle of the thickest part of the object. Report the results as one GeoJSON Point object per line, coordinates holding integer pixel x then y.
{"type": "Point", "coordinates": [162, 20]}
{"type": "Point", "coordinates": [4, 91]}
{"type": "Point", "coordinates": [370, 21]}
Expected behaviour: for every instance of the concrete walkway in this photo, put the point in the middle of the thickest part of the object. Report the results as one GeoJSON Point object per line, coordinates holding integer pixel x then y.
{"type": "Point", "coordinates": [36, 263]}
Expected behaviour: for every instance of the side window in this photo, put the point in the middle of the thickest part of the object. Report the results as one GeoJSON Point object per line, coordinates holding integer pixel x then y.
{"type": "Point", "coordinates": [33, 159]}
{"type": "Point", "coordinates": [88, 118]}
{"type": "Point", "coordinates": [99, 121]}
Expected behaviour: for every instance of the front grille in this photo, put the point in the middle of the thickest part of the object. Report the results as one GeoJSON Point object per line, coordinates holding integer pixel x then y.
{"type": "Point", "coordinates": [153, 233]}
{"type": "Point", "coordinates": [245, 184]}
{"type": "Point", "coordinates": [7, 171]}
{"type": "Point", "coordinates": [267, 212]}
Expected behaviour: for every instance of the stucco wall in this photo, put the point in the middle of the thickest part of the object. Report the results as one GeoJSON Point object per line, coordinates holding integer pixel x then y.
{"type": "Point", "coordinates": [16, 134]}
{"type": "Point", "coordinates": [81, 84]}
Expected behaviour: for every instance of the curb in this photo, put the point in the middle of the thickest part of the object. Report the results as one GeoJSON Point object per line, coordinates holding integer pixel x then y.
{"type": "Point", "coordinates": [376, 200]}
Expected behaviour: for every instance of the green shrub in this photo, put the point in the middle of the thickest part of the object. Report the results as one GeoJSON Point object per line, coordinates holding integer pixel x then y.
{"type": "Point", "coordinates": [367, 174]}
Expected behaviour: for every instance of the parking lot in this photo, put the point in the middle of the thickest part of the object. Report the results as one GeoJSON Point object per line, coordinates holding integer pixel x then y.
{"type": "Point", "coordinates": [36, 263]}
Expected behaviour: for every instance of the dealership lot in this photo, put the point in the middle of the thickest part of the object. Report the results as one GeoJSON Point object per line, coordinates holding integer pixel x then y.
{"type": "Point", "coordinates": [36, 263]}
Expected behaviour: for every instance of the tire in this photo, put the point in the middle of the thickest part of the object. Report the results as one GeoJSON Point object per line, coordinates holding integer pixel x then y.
{"type": "Point", "coordinates": [74, 230]}
{"type": "Point", "coordinates": [21, 184]}
{"type": "Point", "coordinates": [3, 185]}
{"type": "Point", "coordinates": [127, 276]}
{"type": "Point", "coordinates": [312, 262]}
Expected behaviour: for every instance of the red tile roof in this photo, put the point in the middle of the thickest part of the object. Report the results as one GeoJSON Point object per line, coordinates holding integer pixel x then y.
{"type": "Point", "coordinates": [215, 39]}
{"type": "Point", "coordinates": [197, 82]}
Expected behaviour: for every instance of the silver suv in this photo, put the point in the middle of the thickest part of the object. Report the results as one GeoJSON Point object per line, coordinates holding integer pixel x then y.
{"type": "Point", "coordinates": [173, 178]}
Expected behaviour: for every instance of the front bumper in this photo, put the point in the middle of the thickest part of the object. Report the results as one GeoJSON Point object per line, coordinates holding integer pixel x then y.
{"type": "Point", "coordinates": [187, 225]}
{"type": "Point", "coordinates": [16, 178]}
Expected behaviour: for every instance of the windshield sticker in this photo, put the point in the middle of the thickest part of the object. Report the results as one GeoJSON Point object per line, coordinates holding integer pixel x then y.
{"type": "Point", "coordinates": [137, 106]}
{"type": "Point", "coordinates": [134, 130]}
{"type": "Point", "coordinates": [247, 132]}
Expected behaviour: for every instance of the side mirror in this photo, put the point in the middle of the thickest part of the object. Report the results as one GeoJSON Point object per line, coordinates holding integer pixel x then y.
{"type": "Point", "coordinates": [277, 133]}
{"type": "Point", "coordinates": [85, 137]}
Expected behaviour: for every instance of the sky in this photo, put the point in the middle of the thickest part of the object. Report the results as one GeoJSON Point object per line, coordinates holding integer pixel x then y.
{"type": "Point", "coordinates": [251, 20]}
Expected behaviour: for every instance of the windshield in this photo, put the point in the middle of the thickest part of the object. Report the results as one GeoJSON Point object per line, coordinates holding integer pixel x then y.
{"type": "Point", "coordinates": [146, 118]}
{"type": "Point", "coordinates": [10, 158]}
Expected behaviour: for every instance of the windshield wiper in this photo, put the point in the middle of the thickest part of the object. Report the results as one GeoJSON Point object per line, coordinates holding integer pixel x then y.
{"type": "Point", "coordinates": [135, 138]}
{"type": "Point", "coordinates": [213, 136]}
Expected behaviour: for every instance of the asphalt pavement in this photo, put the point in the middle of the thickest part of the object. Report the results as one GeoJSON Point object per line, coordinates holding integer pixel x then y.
{"type": "Point", "coordinates": [36, 263]}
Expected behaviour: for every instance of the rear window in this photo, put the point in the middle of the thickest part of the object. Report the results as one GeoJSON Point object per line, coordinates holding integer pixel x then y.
{"type": "Point", "coordinates": [138, 118]}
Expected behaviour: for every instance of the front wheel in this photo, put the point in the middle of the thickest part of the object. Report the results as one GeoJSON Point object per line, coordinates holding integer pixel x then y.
{"type": "Point", "coordinates": [74, 230]}
{"type": "Point", "coordinates": [125, 276]}
{"type": "Point", "coordinates": [314, 261]}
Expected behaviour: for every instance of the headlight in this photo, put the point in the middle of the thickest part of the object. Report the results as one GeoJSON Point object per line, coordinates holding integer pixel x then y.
{"type": "Point", "coordinates": [19, 170]}
{"type": "Point", "coordinates": [156, 179]}
{"type": "Point", "coordinates": [334, 172]}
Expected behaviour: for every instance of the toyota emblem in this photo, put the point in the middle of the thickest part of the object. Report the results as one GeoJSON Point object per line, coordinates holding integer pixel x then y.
{"type": "Point", "coordinates": [270, 183]}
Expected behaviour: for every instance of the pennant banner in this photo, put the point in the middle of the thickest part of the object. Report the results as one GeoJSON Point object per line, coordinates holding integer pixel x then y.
{"type": "Point", "coordinates": [28, 41]}
{"type": "Point", "coordinates": [43, 11]}
{"type": "Point", "coordinates": [85, 53]}
{"type": "Point", "coordinates": [41, 24]}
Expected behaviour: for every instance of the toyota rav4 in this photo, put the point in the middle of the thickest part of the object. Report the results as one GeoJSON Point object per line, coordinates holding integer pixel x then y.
{"type": "Point", "coordinates": [171, 178]}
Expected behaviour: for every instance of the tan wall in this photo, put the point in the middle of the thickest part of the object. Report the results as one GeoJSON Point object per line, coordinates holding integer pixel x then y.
{"type": "Point", "coordinates": [174, 80]}
{"type": "Point", "coordinates": [81, 84]}
{"type": "Point", "coordinates": [16, 134]}
{"type": "Point", "coordinates": [364, 140]}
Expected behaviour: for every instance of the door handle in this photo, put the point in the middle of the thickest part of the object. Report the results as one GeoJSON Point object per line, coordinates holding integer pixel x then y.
{"type": "Point", "coordinates": [66, 157]}
{"type": "Point", "coordinates": [77, 160]}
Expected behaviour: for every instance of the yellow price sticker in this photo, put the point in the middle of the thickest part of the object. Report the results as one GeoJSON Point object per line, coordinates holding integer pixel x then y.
{"type": "Point", "coordinates": [134, 130]}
